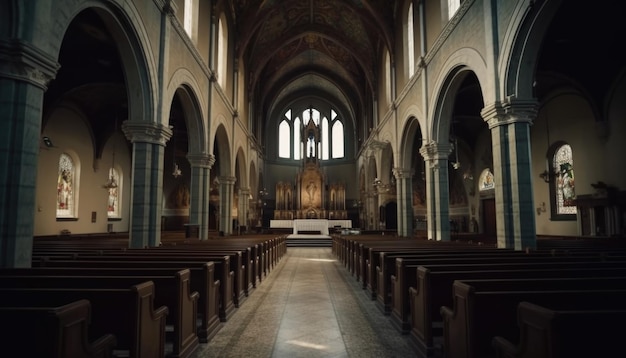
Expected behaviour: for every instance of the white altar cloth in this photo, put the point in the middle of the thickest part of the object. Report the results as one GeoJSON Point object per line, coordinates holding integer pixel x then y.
{"type": "Point", "coordinates": [321, 225]}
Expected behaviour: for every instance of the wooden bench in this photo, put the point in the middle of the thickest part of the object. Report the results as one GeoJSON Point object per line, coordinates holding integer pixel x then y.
{"type": "Point", "coordinates": [128, 314]}
{"type": "Point", "coordinates": [388, 265]}
{"type": "Point", "coordinates": [52, 332]}
{"type": "Point", "coordinates": [172, 291]}
{"type": "Point", "coordinates": [431, 288]}
{"type": "Point", "coordinates": [564, 333]}
{"type": "Point", "coordinates": [483, 309]}
{"type": "Point", "coordinates": [201, 278]}
{"type": "Point", "coordinates": [221, 270]}
{"type": "Point", "coordinates": [236, 263]}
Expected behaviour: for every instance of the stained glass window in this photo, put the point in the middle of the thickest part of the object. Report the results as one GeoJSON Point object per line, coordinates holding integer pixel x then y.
{"type": "Point", "coordinates": [563, 167]}
{"type": "Point", "coordinates": [113, 208]}
{"type": "Point", "coordinates": [65, 187]}
{"type": "Point", "coordinates": [485, 181]}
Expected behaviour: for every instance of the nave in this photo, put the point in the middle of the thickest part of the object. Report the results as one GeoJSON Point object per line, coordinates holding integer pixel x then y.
{"type": "Point", "coordinates": [309, 306]}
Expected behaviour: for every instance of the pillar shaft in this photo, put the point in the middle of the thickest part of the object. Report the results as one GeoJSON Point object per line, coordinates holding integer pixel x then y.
{"type": "Point", "coordinates": [509, 123]}
{"type": "Point", "coordinates": [437, 197]}
{"type": "Point", "coordinates": [201, 165]}
{"type": "Point", "coordinates": [404, 188]}
{"type": "Point", "coordinates": [24, 74]}
{"type": "Point", "coordinates": [148, 140]}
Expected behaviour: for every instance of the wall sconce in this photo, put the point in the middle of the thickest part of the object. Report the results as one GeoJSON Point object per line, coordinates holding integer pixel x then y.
{"type": "Point", "coordinates": [545, 175]}
{"type": "Point", "coordinates": [541, 208]}
{"type": "Point", "coordinates": [381, 187]}
{"type": "Point", "coordinates": [47, 142]}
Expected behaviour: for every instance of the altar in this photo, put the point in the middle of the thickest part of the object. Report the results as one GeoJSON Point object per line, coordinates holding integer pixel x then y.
{"type": "Point", "coordinates": [317, 225]}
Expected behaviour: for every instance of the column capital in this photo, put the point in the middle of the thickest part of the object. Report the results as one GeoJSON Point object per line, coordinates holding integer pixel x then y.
{"type": "Point", "coordinates": [511, 110]}
{"type": "Point", "coordinates": [147, 132]}
{"type": "Point", "coordinates": [433, 150]}
{"type": "Point", "coordinates": [201, 160]}
{"type": "Point", "coordinates": [227, 180]}
{"type": "Point", "coordinates": [402, 173]}
{"type": "Point", "coordinates": [24, 62]}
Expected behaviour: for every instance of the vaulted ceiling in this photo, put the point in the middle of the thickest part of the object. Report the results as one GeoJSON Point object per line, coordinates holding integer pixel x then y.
{"type": "Point", "coordinates": [324, 48]}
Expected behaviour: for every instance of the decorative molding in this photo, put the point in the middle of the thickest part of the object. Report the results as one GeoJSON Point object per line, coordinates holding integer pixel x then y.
{"type": "Point", "coordinates": [201, 160]}
{"type": "Point", "coordinates": [24, 62]}
{"type": "Point", "coordinates": [511, 110]}
{"type": "Point", "coordinates": [146, 132]}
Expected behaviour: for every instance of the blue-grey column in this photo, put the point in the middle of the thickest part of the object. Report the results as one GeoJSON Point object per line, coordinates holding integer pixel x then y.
{"type": "Point", "coordinates": [24, 74]}
{"type": "Point", "coordinates": [201, 165]}
{"type": "Point", "coordinates": [404, 189]}
{"type": "Point", "coordinates": [437, 197]}
{"type": "Point", "coordinates": [509, 123]}
{"type": "Point", "coordinates": [147, 181]}
{"type": "Point", "coordinates": [227, 185]}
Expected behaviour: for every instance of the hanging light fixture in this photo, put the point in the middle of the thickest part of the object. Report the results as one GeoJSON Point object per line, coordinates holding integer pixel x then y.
{"type": "Point", "coordinates": [177, 172]}
{"type": "Point", "coordinates": [456, 165]}
{"type": "Point", "coordinates": [111, 182]}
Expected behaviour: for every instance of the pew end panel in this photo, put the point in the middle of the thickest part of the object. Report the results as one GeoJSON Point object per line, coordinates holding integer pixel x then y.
{"type": "Point", "coordinates": [59, 332]}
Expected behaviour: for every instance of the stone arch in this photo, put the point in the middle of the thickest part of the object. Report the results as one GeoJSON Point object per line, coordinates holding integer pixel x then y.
{"type": "Point", "coordinates": [132, 40]}
{"type": "Point", "coordinates": [459, 65]}
{"type": "Point", "coordinates": [184, 85]}
{"type": "Point", "coordinates": [521, 46]}
{"type": "Point", "coordinates": [221, 145]}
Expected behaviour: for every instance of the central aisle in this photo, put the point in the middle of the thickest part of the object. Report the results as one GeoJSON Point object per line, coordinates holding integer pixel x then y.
{"type": "Point", "coordinates": [309, 306]}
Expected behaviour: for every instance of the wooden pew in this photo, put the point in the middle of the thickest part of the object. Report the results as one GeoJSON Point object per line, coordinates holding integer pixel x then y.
{"type": "Point", "coordinates": [172, 291]}
{"type": "Point", "coordinates": [483, 309]}
{"type": "Point", "coordinates": [222, 273]}
{"type": "Point", "coordinates": [431, 288]}
{"type": "Point", "coordinates": [564, 333]}
{"type": "Point", "coordinates": [52, 332]}
{"type": "Point", "coordinates": [128, 314]}
{"type": "Point", "coordinates": [202, 280]}
{"type": "Point", "coordinates": [236, 263]}
{"type": "Point", "coordinates": [382, 264]}
{"type": "Point", "coordinates": [388, 265]}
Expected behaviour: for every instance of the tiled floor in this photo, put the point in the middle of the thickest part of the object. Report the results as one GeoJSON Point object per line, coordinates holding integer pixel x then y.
{"type": "Point", "coordinates": [309, 306]}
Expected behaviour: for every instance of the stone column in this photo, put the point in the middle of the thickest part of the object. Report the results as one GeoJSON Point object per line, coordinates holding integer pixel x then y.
{"type": "Point", "coordinates": [148, 140]}
{"type": "Point", "coordinates": [227, 185]}
{"type": "Point", "coordinates": [244, 200]}
{"type": "Point", "coordinates": [509, 123]}
{"type": "Point", "coordinates": [201, 165]}
{"type": "Point", "coordinates": [404, 191]}
{"type": "Point", "coordinates": [24, 74]}
{"type": "Point", "coordinates": [437, 191]}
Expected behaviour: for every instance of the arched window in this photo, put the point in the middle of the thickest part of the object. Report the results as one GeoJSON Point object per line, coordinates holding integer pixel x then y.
{"type": "Point", "coordinates": [486, 180]}
{"type": "Point", "coordinates": [562, 186]}
{"type": "Point", "coordinates": [190, 18]}
{"type": "Point", "coordinates": [66, 187]}
{"type": "Point", "coordinates": [332, 139]}
{"type": "Point", "coordinates": [222, 53]}
{"type": "Point", "coordinates": [453, 6]}
{"type": "Point", "coordinates": [325, 144]}
{"type": "Point", "coordinates": [410, 41]}
{"type": "Point", "coordinates": [113, 205]}
{"type": "Point", "coordinates": [337, 140]}
{"type": "Point", "coordinates": [284, 141]}
{"type": "Point", "coordinates": [296, 138]}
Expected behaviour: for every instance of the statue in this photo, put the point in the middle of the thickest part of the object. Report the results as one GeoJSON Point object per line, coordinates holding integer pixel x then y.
{"type": "Point", "coordinates": [310, 189]}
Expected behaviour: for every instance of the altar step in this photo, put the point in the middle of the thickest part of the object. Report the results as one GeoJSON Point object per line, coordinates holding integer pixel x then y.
{"type": "Point", "coordinates": [309, 241]}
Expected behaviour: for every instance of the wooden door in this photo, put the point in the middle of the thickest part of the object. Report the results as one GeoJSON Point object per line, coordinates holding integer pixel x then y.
{"type": "Point", "coordinates": [489, 217]}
